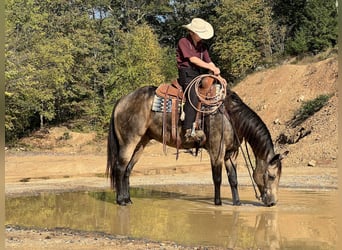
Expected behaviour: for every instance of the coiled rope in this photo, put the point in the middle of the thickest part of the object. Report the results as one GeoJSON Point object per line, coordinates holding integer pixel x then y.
{"type": "Point", "coordinates": [213, 102]}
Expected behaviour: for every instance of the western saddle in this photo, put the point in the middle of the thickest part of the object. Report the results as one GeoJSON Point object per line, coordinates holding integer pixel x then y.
{"type": "Point", "coordinates": [174, 93]}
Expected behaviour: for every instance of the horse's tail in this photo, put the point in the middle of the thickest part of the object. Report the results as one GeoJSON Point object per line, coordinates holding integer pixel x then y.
{"type": "Point", "coordinates": [112, 152]}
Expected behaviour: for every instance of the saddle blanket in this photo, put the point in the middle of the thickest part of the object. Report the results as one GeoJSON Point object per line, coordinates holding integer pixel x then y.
{"type": "Point", "coordinates": [158, 104]}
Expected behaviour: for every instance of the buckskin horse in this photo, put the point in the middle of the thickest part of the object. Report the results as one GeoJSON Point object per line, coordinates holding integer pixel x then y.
{"type": "Point", "coordinates": [133, 124]}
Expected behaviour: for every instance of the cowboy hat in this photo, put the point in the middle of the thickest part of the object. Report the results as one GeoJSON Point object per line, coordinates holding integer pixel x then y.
{"type": "Point", "coordinates": [202, 28]}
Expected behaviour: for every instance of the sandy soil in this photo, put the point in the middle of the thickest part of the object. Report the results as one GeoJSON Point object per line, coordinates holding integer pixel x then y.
{"type": "Point", "coordinates": [59, 160]}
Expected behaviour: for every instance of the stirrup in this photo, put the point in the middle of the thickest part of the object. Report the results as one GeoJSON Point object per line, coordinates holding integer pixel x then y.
{"type": "Point", "coordinates": [192, 135]}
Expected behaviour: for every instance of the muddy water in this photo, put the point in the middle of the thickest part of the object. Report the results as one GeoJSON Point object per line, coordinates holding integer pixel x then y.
{"type": "Point", "coordinates": [303, 219]}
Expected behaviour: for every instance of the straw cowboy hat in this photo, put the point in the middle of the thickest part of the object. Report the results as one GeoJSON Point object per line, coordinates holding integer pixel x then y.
{"type": "Point", "coordinates": [202, 28]}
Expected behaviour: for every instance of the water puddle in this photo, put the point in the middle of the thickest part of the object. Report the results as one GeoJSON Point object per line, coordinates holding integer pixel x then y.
{"type": "Point", "coordinates": [186, 215]}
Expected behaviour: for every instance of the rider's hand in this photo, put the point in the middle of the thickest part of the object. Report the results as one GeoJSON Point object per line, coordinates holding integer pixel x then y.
{"type": "Point", "coordinates": [216, 71]}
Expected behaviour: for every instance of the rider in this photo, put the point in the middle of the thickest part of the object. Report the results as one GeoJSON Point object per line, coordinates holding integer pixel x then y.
{"type": "Point", "coordinates": [193, 60]}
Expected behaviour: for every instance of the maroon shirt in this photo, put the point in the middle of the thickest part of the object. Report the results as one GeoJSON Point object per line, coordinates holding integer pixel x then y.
{"type": "Point", "coordinates": [187, 49]}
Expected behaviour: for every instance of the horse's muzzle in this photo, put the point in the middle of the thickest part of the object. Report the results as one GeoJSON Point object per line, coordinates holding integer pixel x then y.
{"type": "Point", "coordinates": [269, 201]}
{"type": "Point", "coordinates": [271, 204]}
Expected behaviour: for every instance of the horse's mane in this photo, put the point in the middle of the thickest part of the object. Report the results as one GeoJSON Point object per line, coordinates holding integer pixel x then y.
{"type": "Point", "coordinates": [249, 126]}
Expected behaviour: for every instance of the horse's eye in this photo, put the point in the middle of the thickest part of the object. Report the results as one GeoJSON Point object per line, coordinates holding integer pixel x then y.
{"type": "Point", "coordinates": [271, 177]}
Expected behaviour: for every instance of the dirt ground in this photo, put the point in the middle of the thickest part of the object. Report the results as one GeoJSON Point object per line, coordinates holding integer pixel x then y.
{"type": "Point", "coordinates": [58, 159]}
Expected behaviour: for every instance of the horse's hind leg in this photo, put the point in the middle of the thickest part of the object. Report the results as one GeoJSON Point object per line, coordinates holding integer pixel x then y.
{"type": "Point", "coordinates": [128, 158]}
{"type": "Point", "coordinates": [232, 178]}
{"type": "Point", "coordinates": [121, 182]}
{"type": "Point", "coordinates": [121, 178]}
{"type": "Point", "coordinates": [135, 157]}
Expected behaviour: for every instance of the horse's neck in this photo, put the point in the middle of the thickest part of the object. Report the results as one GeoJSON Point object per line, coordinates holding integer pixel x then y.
{"type": "Point", "coordinates": [263, 156]}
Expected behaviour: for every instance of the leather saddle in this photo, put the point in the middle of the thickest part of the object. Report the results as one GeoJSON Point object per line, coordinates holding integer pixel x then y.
{"type": "Point", "coordinates": [173, 99]}
{"type": "Point", "coordinates": [171, 94]}
{"type": "Point", "coordinates": [173, 90]}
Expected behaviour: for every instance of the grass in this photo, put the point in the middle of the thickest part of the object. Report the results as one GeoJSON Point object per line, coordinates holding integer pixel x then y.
{"type": "Point", "coordinates": [309, 108]}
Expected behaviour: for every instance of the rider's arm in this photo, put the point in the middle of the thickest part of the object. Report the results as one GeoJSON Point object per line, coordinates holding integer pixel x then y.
{"type": "Point", "coordinates": [200, 63]}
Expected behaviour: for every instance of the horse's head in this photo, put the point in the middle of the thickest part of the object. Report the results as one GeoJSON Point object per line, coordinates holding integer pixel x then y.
{"type": "Point", "coordinates": [267, 175]}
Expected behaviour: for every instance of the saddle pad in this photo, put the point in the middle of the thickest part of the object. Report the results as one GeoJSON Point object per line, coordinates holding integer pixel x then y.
{"type": "Point", "coordinates": [158, 104]}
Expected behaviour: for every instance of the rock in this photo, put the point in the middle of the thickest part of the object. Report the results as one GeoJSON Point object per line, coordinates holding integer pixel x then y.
{"type": "Point", "coordinates": [301, 99]}
{"type": "Point", "coordinates": [312, 163]}
{"type": "Point", "coordinates": [276, 122]}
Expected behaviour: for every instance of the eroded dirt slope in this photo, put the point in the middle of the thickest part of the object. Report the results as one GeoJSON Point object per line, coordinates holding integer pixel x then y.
{"type": "Point", "coordinates": [276, 94]}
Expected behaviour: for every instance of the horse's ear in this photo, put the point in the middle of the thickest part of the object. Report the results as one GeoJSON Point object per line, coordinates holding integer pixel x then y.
{"type": "Point", "coordinates": [278, 157]}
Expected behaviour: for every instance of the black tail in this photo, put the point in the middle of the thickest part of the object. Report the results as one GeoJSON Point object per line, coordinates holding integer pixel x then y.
{"type": "Point", "coordinates": [112, 152]}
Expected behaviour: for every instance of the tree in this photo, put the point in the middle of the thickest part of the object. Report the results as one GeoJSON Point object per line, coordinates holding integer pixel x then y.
{"type": "Point", "coordinates": [137, 63]}
{"type": "Point", "coordinates": [311, 26]}
{"type": "Point", "coordinates": [243, 35]}
{"type": "Point", "coordinates": [23, 31]}
{"type": "Point", "coordinates": [320, 25]}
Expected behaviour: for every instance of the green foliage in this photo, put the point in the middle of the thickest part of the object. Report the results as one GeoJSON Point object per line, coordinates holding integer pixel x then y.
{"type": "Point", "coordinates": [169, 66]}
{"type": "Point", "coordinates": [138, 62]}
{"type": "Point", "coordinates": [66, 136]}
{"type": "Point", "coordinates": [56, 64]}
{"type": "Point", "coordinates": [242, 35]}
{"type": "Point", "coordinates": [309, 108]}
{"type": "Point", "coordinates": [312, 25]}
{"type": "Point", "coordinates": [299, 44]}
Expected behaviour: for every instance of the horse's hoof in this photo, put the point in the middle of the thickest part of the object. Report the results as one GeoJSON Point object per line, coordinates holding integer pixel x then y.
{"type": "Point", "coordinates": [237, 203]}
{"type": "Point", "coordinates": [128, 201]}
{"type": "Point", "coordinates": [218, 203]}
{"type": "Point", "coordinates": [121, 203]}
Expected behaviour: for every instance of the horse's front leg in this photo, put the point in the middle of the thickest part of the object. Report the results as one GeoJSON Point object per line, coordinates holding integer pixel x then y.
{"type": "Point", "coordinates": [217, 178]}
{"type": "Point", "coordinates": [232, 178]}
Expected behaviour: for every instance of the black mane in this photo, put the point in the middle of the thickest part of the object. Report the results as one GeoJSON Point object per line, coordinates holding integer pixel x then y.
{"type": "Point", "coordinates": [249, 126]}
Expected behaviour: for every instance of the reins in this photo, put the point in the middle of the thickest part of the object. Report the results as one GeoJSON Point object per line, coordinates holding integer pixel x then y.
{"type": "Point", "coordinates": [258, 197]}
{"type": "Point", "coordinates": [249, 164]}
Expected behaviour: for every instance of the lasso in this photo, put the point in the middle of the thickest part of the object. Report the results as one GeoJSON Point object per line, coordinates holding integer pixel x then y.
{"type": "Point", "coordinates": [215, 101]}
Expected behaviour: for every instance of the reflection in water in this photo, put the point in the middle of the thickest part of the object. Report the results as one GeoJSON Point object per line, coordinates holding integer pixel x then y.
{"type": "Point", "coordinates": [123, 219]}
{"type": "Point", "coordinates": [267, 234]}
{"type": "Point", "coordinates": [187, 218]}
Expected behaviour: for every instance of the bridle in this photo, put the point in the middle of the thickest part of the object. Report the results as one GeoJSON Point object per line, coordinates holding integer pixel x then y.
{"type": "Point", "coordinates": [265, 178]}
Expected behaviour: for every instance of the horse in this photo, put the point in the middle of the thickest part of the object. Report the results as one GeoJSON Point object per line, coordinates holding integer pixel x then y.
{"type": "Point", "coordinates": [250, 127]}
{"type": "Point", "coordinates": [133, 124]}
